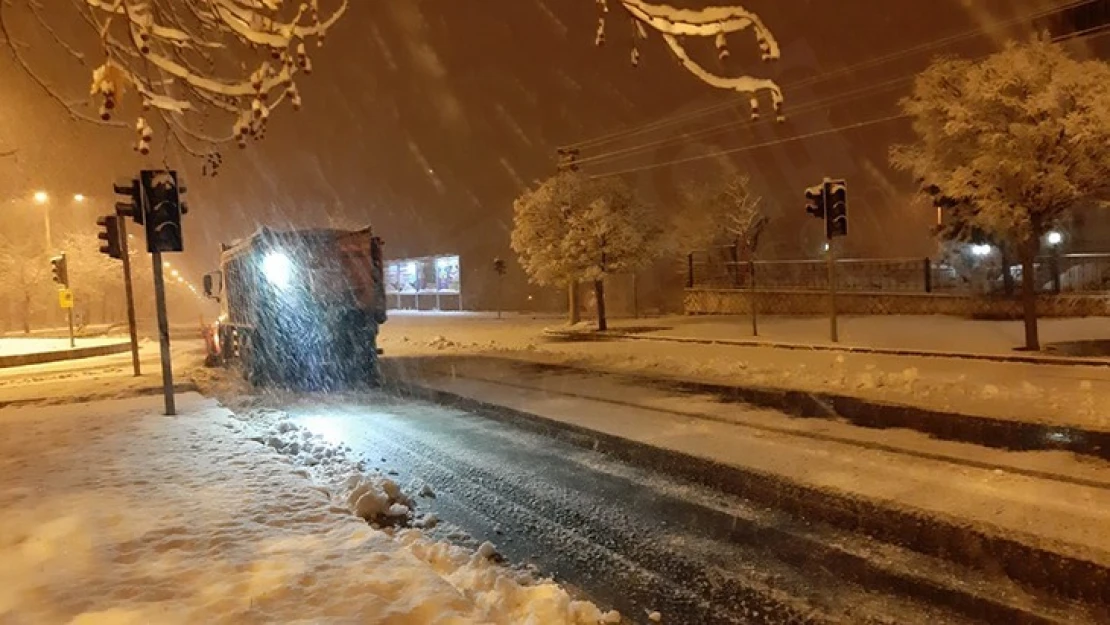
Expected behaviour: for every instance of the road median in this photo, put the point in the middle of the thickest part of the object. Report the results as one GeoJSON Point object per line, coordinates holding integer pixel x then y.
{"type": "Point", "coordinates": [38, 358]}
{"type": "Point", "coordinates": [1017, 357]}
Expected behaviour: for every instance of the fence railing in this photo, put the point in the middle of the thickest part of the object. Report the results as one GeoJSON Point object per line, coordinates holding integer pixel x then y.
{"type": "Point", "coordinates": [721, 268]}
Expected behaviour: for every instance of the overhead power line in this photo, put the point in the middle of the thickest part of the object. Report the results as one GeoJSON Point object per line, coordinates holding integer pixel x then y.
{"type": "Point", "coordinates": [808, 107]}
{"type": "Point", "coordinates": [1093, 31]}
{"type": "Point", "coordinates": [824, 76]}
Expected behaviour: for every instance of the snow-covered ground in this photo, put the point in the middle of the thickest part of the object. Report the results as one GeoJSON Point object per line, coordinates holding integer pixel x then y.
{"type": "Point", "coordinates": [911, 332]}
{"type": "Point", "coordinates": [1055, 394]}
{"type": "Point", "coordinates": [114, 514]}
{"type": "Point", "coordinates": [20, 346]}
{"type": "Point", "coordinates": [1017, 494]}
{"type": "Point", "coordinates": [100, 377]}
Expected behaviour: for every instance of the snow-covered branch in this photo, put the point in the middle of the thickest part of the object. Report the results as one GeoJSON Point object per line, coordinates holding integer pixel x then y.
{"type": "Point", "coordinates": [716, 22]}
{"type": "Point", "coordinates": [239, 59]}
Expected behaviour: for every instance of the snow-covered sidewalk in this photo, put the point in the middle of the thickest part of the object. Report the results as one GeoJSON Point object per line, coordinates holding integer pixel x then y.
{"type": "Point", "coordinates": [115, 514]}
{"type": "Point", "coordinates": [20, 346]}
{"type": "Point", "coordinates": [1087, 336]}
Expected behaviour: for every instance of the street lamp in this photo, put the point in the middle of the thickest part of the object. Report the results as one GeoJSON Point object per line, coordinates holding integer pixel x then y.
{"type": "Point", "coordinates": [41, 198]}
{"type": "Point", "coordinates": [78, 197]}
{"type": "Point", "coordinates": [1055, 238]}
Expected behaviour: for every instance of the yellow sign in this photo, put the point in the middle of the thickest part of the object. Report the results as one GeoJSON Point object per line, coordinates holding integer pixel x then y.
{"type": "Point", "coordinates": [65, 298]}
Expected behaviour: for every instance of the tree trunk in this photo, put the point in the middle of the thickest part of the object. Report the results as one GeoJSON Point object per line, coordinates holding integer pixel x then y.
{"type": "Point", "coordinates": [599, 293]}
{"type": "Point", "coordinates": [572, 298]}
{"type": "Point", "coordinates": [1029, 294]}
{"type": "Point", "coordinates": [26, 312]}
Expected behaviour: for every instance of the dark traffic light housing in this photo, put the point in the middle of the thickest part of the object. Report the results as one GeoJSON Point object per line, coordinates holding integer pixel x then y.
{"type": "Point", "coordinates": [110, 236]}
{"type": "Point", "coordinates": [815, 201]}
{"type": "Point", "coordinates": [829, 201]}
{"type": "Point", "coordinates": [133, 206]}
{"type": "Point", "coordinates": [836, 208]}
{"type": "Point", "coordinates": [499, 266]}
{"type": "Point", "coordinates": [60, 270]}
{"type": "Point", "coordinates": [164, 208]}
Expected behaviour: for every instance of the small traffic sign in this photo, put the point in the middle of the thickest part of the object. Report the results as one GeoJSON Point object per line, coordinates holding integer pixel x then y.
{"type": "Point", "coordinates": [65, 298]}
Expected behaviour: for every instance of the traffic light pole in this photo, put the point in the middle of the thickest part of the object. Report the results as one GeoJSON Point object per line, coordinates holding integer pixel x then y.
{"type": "Point", "coordinates": [833, 334]}
{"type": "Point", "coordinates": [163, 333]}
{"type": "Point", "coordinates": [72, 340]}
{"type": "Point", "coordinates": [126, 258]}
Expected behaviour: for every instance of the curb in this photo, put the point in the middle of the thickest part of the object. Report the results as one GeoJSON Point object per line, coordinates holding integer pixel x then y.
{"type": "Point", "coordinates": [20, 360]}
{"type": "Point", "coordinates": [146, 391]}
{"type": "Point", "coordinates": [992, 432]}
{"type": "Point", "coordinates": [1031, 566]}
{"type": "Point", "coordinates": [849, 349]}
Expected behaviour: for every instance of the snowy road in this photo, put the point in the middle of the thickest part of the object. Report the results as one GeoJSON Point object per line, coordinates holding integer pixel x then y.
{"type": "Point", "coordinates": [628, 539]}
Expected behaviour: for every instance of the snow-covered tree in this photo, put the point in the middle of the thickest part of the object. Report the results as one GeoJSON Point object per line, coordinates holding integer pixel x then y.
{"type": "Point", "coordinates": [1018, 139]}
{"type": "Point", "coordinates": [573, 229]}
{"type": "Point", "coordinates": [95, 279]}
{"type": "Point", "coordinates": [188, 63]}
{"type": "Point", "coordinates": [724, 213]}
{"type": "Point", "coordinates": [714, 23]}
{"type": "Point", "coordinates": [24, 269]}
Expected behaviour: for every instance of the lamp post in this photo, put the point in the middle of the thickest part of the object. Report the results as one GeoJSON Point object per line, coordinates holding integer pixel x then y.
{"type": "Point", "coordinates": [43, 200]}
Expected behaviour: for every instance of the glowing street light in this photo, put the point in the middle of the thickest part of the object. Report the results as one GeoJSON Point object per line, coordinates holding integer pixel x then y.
{"type": "Point", "coordinates": [1055, 238]}
{"type": "Point", "coordinates": [41, 197]}
{"type": "Point", "coordinates": [166, 264]}
{"type": "Point", "coordinates": [980, 250]}
{"type": "Point", "coordinates": [175, 273]}
{"type": "Point", "coordinates": [78, 197]}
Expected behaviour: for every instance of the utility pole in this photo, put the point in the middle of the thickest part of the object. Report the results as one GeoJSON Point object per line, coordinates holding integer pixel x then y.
{"type": "Point", "coordinates": [60, 268]}
{"type": "Point", "coordinates": [163, 333]}
{"type": "Point", "coordinates": [499, 268]}
{"type": "Point", "coordinates": [155, 202]}
{"type": "Point", "coordinates": [130, 293]}
{"type": "Point", "coordinates": [830, 252]}
{"type": "Point", "coordinates": [566, 159]}
{"type": "Point", "coordinates": [131, 208]}
{"type": "Point", "coordinates": [829, 202]}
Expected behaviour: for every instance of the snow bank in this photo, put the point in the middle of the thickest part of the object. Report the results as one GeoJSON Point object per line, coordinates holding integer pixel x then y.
{"type": "Point", "coordinates": [114, 514]}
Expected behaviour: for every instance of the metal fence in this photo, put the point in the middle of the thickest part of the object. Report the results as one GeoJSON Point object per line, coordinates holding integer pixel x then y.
{"type": "Point", "coordinates": [721, 268]}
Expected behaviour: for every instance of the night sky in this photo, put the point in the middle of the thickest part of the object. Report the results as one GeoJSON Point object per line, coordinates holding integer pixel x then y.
{"type": "Point", "coordinates": [427, 117]}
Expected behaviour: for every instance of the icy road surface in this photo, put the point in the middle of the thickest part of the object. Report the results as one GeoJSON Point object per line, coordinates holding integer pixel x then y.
{"type": "Point", "coordinates": [632, 540]}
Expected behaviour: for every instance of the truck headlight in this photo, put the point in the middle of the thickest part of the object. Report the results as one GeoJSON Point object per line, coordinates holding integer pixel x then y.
{"type": "Point", "coordinates": [278, 269]}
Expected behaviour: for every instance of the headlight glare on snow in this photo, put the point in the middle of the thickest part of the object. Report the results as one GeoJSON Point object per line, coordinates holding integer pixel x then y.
{"type": "Point", "coordinates": [278, 269]}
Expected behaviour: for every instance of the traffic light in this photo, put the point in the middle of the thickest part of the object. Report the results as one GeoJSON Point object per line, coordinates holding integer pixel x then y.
{"type": "Point", "coordinates": [61, 272]}
{"type": "Point", "coordinates": [164, 210]}
{"type": "Point", "coordinates": [110, 236]}
{"type": "Point", "coordinates": [499, 266]}
{"type": "Point", "coordinates": [836, 208]}
{"type": "Point", "coordinates": [815, 201]}
{"type": "Point", "coordinates": [133, 206]}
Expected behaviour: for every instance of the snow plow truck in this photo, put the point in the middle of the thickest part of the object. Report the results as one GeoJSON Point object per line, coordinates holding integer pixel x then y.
{"type": "Point", "coordinates": [300, 308]}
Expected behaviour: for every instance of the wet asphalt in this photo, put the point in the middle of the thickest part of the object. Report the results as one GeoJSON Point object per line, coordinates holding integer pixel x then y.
{"type": "Point", "coordinates": [626, 538]}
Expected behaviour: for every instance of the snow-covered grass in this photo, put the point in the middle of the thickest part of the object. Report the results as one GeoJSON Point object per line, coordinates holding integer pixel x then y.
{"type": "Point", "coordinates": [100, 377]}
{"type": "Point", "coordinates": [20, 346]}
{"type": "Point", "coordinates": [114, 514]}
{"type": "Point", "coordinates": [1034, 392]}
